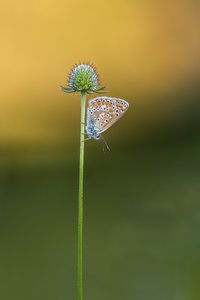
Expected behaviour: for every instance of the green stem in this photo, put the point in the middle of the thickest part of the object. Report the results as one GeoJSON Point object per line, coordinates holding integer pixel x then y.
{"type": "Point", "coordinates": [80, 199]}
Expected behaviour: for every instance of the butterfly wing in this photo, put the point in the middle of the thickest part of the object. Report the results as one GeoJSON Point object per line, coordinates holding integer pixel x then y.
{"type": "Point", "coordinates": [105, 111]}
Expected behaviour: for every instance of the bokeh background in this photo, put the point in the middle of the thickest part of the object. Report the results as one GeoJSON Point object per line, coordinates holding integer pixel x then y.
{"type": "Point", "coordinates": [142, 199]}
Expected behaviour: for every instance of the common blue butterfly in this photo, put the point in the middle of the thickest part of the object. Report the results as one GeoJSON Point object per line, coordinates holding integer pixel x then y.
{"type": "Point", "coordinates": [103, 112]}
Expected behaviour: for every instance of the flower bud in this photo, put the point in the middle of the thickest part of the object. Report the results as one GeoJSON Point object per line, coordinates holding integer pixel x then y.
{"type": "Point", "coordinates": [83, 78]}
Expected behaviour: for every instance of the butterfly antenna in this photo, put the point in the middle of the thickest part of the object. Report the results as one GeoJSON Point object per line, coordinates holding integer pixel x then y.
{"type": "Point", "coordinates": [104, 143]}
{"type": "Point", "coordinates": [103, 146]}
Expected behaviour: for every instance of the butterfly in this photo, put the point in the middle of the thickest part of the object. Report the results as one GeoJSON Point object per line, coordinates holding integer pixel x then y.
{"type": "Point", "coordinates": [102, 113]}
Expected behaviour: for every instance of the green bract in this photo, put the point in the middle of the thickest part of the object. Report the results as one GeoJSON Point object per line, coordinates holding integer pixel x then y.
{"type": "Point", "coordinates": [83, 78]}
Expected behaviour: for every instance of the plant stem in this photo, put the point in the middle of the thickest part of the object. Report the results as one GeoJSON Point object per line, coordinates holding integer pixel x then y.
{"type": "Point", "coordinates": [80, 199]}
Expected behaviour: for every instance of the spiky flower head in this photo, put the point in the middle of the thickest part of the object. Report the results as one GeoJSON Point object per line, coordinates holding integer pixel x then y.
{"type": "Point", "coordinates": [83, 78]}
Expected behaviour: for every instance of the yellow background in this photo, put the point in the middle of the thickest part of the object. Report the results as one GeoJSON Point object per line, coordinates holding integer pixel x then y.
{"type": "Point", "coordinates": [147, 52]}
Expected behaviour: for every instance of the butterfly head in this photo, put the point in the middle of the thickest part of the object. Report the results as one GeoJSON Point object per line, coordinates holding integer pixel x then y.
{"type": "Point", "coordinates": [96, 136]}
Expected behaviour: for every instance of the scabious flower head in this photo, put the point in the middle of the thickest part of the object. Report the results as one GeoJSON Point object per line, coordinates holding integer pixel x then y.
{"type": "Point", "coordinates": [83, 78]}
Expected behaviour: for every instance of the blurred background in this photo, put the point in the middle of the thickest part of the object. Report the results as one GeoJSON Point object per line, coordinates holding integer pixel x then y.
{"type": "Point", "coordinates": [141, 206]}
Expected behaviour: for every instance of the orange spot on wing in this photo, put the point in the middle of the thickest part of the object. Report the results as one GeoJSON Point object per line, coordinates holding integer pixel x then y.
{"type": "Point", "coordinates": [110, 109]}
